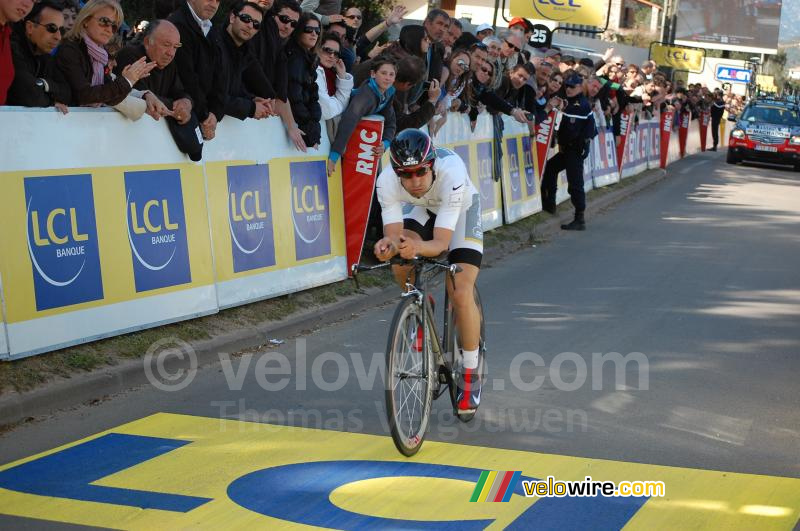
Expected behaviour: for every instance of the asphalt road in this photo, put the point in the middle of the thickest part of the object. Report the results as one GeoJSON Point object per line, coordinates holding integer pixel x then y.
{"type": "Point", "coordinates": [694, 280]}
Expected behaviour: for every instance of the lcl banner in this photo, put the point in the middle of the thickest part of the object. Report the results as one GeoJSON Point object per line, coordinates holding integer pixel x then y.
{"type": "Point", "coordinates": [666, 132]}
{"type": "Point", "coordinates": [592, 13]}
{"type": "Point", "coordinates": [705, 119]}
{"type": "Point", "coordinates": [683, 131]}
{"type": "Point", "coordinates": [624, 129]}
{"type": "Point", "coordinates": [544, 135]}
{"type": "Point", "coordinates": [359, 170]}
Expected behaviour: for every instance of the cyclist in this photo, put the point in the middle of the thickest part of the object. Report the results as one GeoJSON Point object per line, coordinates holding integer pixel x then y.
{"type": "Point", "coordinates": [429, 205]}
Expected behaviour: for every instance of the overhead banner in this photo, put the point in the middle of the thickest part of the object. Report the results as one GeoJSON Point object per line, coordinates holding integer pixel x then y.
{"type": "Point", "coordinates": [666, 131]}
{"type": "Point", "coordinates": [741, 25]}
{"type": "Point", "coordinates": [678, 57]}
{"type": "Point", "coordinates": [359, 170]}
{"type": "Point", "coordinates": [588, 13]}
{"type": "Point", "coordinates": [705, 119]}
{"type": "Point", "coordinates": [683, 131]}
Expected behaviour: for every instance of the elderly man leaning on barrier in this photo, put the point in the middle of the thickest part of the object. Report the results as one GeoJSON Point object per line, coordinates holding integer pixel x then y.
{"type": "Point", "coordinates": [37, 81]}
{"type": "Point", "coordinates": [163, 90]}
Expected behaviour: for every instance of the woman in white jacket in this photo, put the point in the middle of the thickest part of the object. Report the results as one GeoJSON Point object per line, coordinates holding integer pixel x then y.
{"type": "Point", "coordinates": [333, 81]}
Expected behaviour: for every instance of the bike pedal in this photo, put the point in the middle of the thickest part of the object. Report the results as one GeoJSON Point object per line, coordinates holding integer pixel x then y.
{"type": "Point", "coordinates": [442, 378]}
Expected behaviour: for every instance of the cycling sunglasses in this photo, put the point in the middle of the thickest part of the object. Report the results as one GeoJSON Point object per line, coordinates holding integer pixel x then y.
{"type": "Point", "coordinates": [417, 172]}
{"type": "Point", "coordinates": [247, 19]}
{"type": "Point", "coordinates": [286, 19]}
{"type": "Point", "coordinates": [52, 28]}
{"type": "Point", "coordinates": [106, 22]}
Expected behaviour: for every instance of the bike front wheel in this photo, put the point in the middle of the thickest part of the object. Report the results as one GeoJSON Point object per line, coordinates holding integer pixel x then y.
{"type": "Point", "coordinates": [409, 377]}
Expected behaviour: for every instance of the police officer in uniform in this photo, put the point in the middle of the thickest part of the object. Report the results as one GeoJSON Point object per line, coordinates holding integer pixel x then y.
{"type": "Point", "coordinates": [574, 144]}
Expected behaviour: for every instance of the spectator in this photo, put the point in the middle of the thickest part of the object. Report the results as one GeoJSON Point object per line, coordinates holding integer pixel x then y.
{"type": "Point", "coordinates": [326, 11]}
{"type": "Point", "coordinates": [410, 71]}
{"type": "Point", "coordinates": [373, 97]}
{"type": "Point", "coordinates": [333, 82]}
{"type": "Point", "coordinates": [454, 32]}
{"type": "Point", "coordinates": [365, 42]}
{"type": "Point", "coordinates": [717, 110]}
{"type": "Point", "coordinates": [346, 35]}
{"type": "Point", "coordinates": [436, 24]}
{"type": "Point", "coordinates": [70, 12]}
{"type": "Point", "coordinates": [198, 62]}
{"type": "Point", "coordinates": [163, 90]}
{"type": "Point", "coordinates": [37, 81]}
{"type": "Point", "coordinates": [478, 55]}
{"type": "Point", "coordinates": [82, 58]}
{"type": "Point", "coordinates": [354, 18]}
{"type": "Point", "coordinates": [249, 92]}
{"type": "Point", "coordinates": [302, 72]}
{"type": "Point", "coordinates": [484, 30]}
{"type": "Point", "coordinates": [276, 29]}
{"type": "Point", "coordinates": [479, 94]}
{"type": "Point", "coordinates": [515, 89]}
{"type": "Point", "coordinates": [11, 11]}
{"type": "Point", "coordinates": [555, 85]}
{"type": "Point", "coordinates": [457, 77]}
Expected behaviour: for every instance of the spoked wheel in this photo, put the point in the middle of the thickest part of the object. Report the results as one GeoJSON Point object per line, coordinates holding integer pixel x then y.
{"type": "Point", "coordinates": [454, 356]}
{"type": "Point", "coordinates": [409, 382]}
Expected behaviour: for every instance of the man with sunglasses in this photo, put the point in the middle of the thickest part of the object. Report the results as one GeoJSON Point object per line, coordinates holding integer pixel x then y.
{"type": "Point", "coordinates": [37, 81]}
{"type": "Point", "coordinates": [429, 205]}
{"type": "Point", "coordinates": [250, 93]}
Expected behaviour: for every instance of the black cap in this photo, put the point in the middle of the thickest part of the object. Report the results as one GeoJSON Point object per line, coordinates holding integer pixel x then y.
{"type": "Point", "coordinates": [573, 81]}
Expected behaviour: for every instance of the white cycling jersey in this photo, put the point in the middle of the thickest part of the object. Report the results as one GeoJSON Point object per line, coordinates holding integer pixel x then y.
{"type": "Point", "coordinates": [451, 194]}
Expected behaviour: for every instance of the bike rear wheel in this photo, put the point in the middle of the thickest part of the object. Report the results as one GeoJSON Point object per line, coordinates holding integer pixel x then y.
{"type": "Point", "coordinates": [452, 351]}
{"type": "Point", "coordinates": [409, 377]}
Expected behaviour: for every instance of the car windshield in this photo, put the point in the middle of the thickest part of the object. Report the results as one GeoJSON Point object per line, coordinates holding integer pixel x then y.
{"type": "Point", "coordinates": [772, 115]}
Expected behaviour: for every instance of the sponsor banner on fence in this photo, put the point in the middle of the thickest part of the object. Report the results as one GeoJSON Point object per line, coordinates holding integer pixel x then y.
{"type": "Point", "coordinates": [605, 169]}
{"type": "Point", "coordinates": [666, 132]}
{"type": "Point", "coordinates": [625, 123]}
{"type": "Point", "coordinates": [277, 227]}
{"type": "Point", "coordinates": [683, 131]}
{"type": "Point", "coordinates": [93, 252]}
{"type": "Point", "coordinates": [520, 193]}
{"type": "Point", "coordinates": [359, 170]}
{"type": "Point", "coordinates": [654, 144]}
{"type": "Point", "coordinates": [636, 152]}
{"type": "Point", "coordinates": [544, 136]}
{"type": "Point", "coordinates": [702, 124]}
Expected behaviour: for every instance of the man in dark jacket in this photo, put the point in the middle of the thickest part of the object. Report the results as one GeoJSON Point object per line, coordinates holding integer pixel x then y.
{"type": "Point", "coordinates": [269, 48]}
{"type": "Point", "coordinates": [199, 63]}
{"type": "Point", "coordinates": [574, 144]}
{"type": "Point", "coordinates": [164, 91]}
{"type": "Point", "coordinates": [37, 81]}
{"type": "Point", "coordinates": [10, 11]}
{"type": "Point", "coordinates": [717, 110]}
{"type": "Point", "coordinates": [250, 93]}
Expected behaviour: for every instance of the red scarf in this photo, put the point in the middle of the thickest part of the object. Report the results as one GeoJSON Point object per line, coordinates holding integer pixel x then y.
{"type": "Point", "coordinates": [6, 62]}
{"type": "Point", "coordinates": [330, 80]}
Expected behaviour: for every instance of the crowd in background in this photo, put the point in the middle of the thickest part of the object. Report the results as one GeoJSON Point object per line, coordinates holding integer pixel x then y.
{"type": "Point", "coordinates": [313, 65]}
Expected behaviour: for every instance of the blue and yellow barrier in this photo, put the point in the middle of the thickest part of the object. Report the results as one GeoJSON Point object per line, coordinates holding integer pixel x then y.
{"type": "Point", "coordinates": [95, 243]}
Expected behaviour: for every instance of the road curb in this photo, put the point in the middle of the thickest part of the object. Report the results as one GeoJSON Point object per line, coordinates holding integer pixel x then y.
{"type": "Point", "coordinates": [96, 386]}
